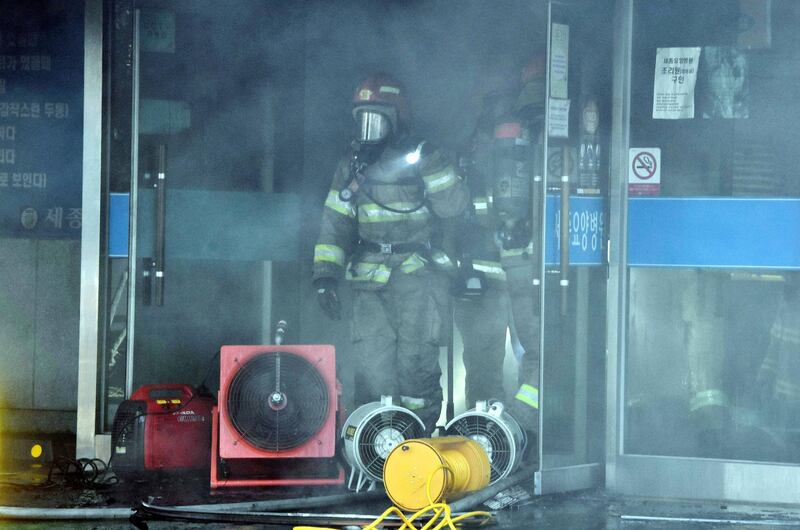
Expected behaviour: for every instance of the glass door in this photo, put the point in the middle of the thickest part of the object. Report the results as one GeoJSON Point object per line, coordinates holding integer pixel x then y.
{"type": "Point", "coordinates": [710, 310]}
{"type": "Point", "coordinates": [193, 210]}
{"type": "Point", "coordinates": [573, 232]}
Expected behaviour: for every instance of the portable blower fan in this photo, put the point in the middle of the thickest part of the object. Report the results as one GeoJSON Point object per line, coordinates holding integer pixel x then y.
{"type": "Point", "coordinates": [496, 431]}
{"type": "Point", "coordinates": [276, 417]}
{"type": "Point", "coordinates": [369, 435]}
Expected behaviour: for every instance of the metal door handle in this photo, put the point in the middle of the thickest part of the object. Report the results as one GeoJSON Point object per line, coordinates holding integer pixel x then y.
{"type": "Point", "coordinates": [564, 279]}
{"type": "Point", "coordinates": [147, 280]}
{"type": "Point", "coordinates": [161, 217]}
{"type": "Point", "coordinates": [536, 216]}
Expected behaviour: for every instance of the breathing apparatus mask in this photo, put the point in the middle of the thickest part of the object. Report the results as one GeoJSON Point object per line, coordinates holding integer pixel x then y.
{"type": "Point", "coordinates": [373, 126]}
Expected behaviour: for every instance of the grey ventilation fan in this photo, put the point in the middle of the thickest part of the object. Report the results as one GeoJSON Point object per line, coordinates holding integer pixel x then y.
{"type": "Point", "coordinates": [369, 435]}
{"type": "Point", "coordinates": [496, 431]}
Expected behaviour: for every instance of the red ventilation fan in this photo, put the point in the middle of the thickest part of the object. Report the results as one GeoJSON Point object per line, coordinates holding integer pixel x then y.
{"type": "Point", "coordinates": [276, 419]}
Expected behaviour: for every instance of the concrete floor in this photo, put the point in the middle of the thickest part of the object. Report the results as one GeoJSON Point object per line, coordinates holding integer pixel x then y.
{"type": "Point", "coordinates": [594, 509]}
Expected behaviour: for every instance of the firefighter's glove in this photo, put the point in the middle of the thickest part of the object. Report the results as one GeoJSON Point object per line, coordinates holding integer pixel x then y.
{"type": "Point", "coordinates": [328, 298]}
{"type": "Point", "coordinates": [515, 236]}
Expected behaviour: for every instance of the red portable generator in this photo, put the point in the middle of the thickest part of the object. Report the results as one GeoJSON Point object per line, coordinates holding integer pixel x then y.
{"type": "Point", "coordinates": [162, 428]}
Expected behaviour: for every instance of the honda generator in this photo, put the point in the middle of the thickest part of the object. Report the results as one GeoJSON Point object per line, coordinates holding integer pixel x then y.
{"type": "Point", "coordinates": [162, 428]}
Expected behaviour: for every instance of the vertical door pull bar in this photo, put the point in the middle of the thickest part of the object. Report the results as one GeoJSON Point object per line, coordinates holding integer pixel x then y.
{"type": "Point", "coordinates": [161, 215]}
{"type": "Point", "coordinates": [564, 280]}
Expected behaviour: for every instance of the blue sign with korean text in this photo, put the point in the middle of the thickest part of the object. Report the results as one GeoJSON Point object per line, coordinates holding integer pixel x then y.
{"type": "Point", "coordinates": [586, 231]}
{"type": "Point", "coordinates": [41, 119]}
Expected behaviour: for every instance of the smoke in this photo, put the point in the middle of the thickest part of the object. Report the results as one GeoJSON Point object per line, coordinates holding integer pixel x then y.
{"type": "Point", "coordinates": [446, 53]}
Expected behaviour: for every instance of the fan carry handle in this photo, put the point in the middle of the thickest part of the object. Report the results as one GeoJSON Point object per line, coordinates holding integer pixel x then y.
{"type": "Point", "coordinates": [280, 331]}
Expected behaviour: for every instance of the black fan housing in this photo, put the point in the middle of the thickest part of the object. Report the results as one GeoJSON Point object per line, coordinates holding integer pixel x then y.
{"type": "Point", "coordinates": [277, 401]}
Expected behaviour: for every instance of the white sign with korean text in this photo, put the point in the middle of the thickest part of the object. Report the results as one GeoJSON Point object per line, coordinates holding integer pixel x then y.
{"type": "Point", "coordinates": [558, 124]}
{"type": "Point", "coordinates": [559, 61]}
{"type": "Point", "coordinates": [675, 80]}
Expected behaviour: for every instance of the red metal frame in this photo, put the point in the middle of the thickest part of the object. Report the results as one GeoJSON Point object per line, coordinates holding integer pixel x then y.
{"type": "Point", "coordinates": [243, 481]}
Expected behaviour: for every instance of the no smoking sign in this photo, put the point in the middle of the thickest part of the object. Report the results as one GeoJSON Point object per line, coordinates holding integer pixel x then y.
{"type": "Point", "coordinates": [644, 171]}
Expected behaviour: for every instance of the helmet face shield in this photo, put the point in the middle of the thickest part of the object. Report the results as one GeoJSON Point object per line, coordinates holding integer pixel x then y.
{"type": "Point", "coordinates": [371, 125]}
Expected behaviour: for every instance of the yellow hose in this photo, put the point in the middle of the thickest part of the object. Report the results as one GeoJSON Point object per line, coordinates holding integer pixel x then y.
{"type": "Point", "coordinates": [441, 516]}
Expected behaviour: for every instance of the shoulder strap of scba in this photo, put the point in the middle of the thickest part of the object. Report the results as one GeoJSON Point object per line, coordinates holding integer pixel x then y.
{"type": "Point", "coordinates": [358, 178]}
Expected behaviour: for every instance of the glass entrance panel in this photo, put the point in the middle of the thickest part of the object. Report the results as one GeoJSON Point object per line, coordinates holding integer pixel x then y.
{"type": "Point", "coordinates": [713, 311]}
{"type": "Point", "coordinates": [205, 215]}
{"type": "Point", "coordinates": [193, 208]}
{"type": "Point", "coordinates": [574, 224]}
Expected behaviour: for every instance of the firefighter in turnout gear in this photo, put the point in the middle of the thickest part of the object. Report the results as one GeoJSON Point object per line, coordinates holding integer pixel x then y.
{"type": "Point", "coordinates": [497, 248]}
{"type": "Point", "coordinates": [386, 221]}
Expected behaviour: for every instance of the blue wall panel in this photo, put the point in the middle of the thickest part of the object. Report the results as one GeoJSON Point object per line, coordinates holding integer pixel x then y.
{"type": "Point", "coordinates": [714, 232]}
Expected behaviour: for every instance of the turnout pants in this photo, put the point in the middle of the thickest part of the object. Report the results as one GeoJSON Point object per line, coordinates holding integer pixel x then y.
{"type": "Point", "coordinates": [396, 334]}
{"type": "Point", "coordinates": [483, 323]}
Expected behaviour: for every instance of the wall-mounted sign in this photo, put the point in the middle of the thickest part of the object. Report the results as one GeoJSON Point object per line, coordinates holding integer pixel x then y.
{"type": "Point", "coordinates": [644, 171]}
{"type": "Point", "coordinates": [559, 61]}
{"type": "Point", "coordinates": [675, 80]}
{"type": "Point", "coordinates": [41, 120]}
{"type": "Point", "coordinates": [558, 118]}
{"type": "Point", "coordinates": [586, 231]}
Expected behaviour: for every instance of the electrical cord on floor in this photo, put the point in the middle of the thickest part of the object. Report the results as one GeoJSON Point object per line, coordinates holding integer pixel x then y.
{"type": "Point", "coordinates": [441, 517]}
{"type": "Point", "coordinates": [83, 472]}
{"type": "Point", "coordinates": [86, 472]}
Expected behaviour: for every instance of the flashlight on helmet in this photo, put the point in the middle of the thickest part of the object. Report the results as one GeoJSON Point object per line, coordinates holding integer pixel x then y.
{"type": "Point", "coordinates": [414, 156]}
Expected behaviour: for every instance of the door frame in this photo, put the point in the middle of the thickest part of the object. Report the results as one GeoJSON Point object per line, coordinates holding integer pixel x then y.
{"type": "Point", "coordinates": [650, 475]}
{"type": "Point", "coordinates": [563, 477]}
{"type": "Point", "coordinates": [86, 426]}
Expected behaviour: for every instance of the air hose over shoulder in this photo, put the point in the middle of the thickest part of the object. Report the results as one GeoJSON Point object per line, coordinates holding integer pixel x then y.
{"type": "Point", "coordinates": [358, 180]}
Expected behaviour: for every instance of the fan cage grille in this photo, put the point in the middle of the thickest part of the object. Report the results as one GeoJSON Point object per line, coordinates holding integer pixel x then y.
{"type": "Point", "coordinates": [302, 413]}
{"type": "Point", "coordinates": [371, 427]}
{"type": "Point", "coordinates": [502, 450]}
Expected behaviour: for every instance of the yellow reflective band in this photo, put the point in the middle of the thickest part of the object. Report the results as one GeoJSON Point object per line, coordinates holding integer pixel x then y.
{"type": "Point", "coordinates": [441, 180]}
{"type": "Point", "coordinates": [529, 395]}
{"type": "Point", "coordinates": [412, 403]}
{"type": "Point", "coordinates": [769, 363]}
{"type": "Point", "coordinates": [492, 269]}
{"type": "Point", "coordinates": [338, 205]}
{"type": "Point", "coordinates": [329, 253]}
{"type": "Point", "coordinates": [786, 388]}
{"type": "Point", "coordinates": [369, 272]}
{"type": "Point", "coordinates": [481, 205]}
{"type": "Point", "coordinates": [442, 259]}
{"type": "Point", "coordinates": [372, 213]}
{"type": "Point", "coordinates": [389, 89]}
{"type": "Point", "coordinates": [412, 263]}
{"type": "Point", "coordinates": [708, 398]}
{"type": "Point", "coordinates": [786, 334]}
